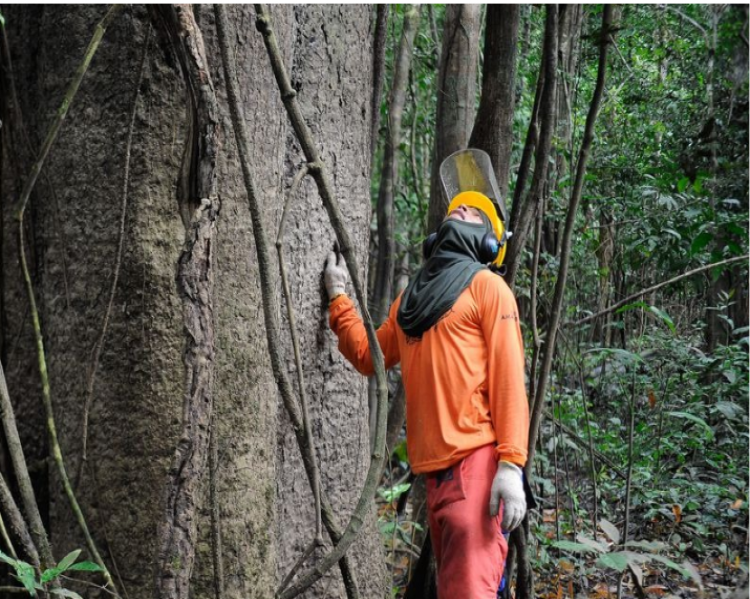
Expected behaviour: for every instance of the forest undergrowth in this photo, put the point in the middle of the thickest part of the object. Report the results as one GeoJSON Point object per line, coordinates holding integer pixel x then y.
{"type": "Point", "coordinates": [675, 435]}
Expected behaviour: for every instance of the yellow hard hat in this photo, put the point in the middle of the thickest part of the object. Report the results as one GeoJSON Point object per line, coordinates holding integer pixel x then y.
{"type": "Point", "coordinates": [487, 206]}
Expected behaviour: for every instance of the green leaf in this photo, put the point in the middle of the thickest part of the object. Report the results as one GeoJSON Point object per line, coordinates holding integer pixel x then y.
{"type": "Point", "coordinates": [728, 409]}
{"type": "Point", "coordinates": [8, 560]}
{"type": "Point", "coordinates": [2, 20]}
{"type": "Point", "coordinates": [617, 561]}
{"type": "Point", "coordinates": [622, 354]}
{"type": "Point", "coordinates": [68, 560]}
{"type": "Point", "coordinates": [692, 418]}
{"type": "Point", "coordinates": [388, 528]}
{"type": "Point", "coordinates": [647, 545]}
{"type": "Point", "coordinates": [664, 316]}
{"type": "Point", "coordinates": [633, 306]}
{"type": "Point", "coordinates": [393, 493]}
{"type": "Point", "coordinates": [575, 547]}
{"type": "Point", "coordinates": [400, 452]}
{"type": "Point", "coordinates": [50, 574]}
{"type": "Point", "coordinates": [596, 546]}
{"type": "Point", "coordinates": [682, 184]}
{"type": "Point", "coordinates": [700, 242]}
{"type": "Point", "coordinates": [26, 574]}
{"type": "Point", "coordinates": [670, 564]}
{"type": "Point", "coordinates": [86, 567]}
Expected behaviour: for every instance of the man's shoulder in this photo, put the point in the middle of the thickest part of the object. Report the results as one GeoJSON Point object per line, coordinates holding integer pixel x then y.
{"type": "Point", "coordinates": [488, 282]}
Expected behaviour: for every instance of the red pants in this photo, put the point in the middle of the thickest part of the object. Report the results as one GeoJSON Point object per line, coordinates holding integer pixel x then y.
{"type": "Point", "coordinates": [468, 543]}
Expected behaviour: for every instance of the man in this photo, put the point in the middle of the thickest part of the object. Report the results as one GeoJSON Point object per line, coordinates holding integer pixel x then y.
{"type": "Point", "coordinates": [456, 332]}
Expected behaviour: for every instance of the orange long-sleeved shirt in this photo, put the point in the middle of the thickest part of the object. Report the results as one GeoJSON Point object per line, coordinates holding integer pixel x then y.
{"type": "Point", "coordinates": [464, 380]}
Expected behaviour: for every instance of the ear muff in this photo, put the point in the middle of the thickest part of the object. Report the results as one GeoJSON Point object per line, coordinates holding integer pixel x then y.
{"type": "Point", "coordinates": [489, 248]}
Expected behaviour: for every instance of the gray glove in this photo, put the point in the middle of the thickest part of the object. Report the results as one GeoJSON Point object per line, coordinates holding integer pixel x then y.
{"type": "Point", "coordinates": [508, 486]}
{"type": "Point", "coordinates": [335, 275]}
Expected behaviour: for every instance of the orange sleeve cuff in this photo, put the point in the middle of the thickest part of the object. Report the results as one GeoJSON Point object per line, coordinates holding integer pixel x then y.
{"type": "Point", "coordinates": [337, 305]}
{"type": "Point", "coordinates": [504, 453]}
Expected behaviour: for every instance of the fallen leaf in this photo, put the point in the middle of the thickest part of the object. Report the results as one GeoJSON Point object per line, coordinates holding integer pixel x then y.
{"type": "Point", "coordinates": [610, 530]}
{"type": "Point", "coordinates": [549, 516]}
{"type": "Point", "coordinates": [566, 566]}
{"type": "Point", "coordinates": [677, 511]}
{"type": "Point", "coordinates": [656, 589]}
{"type": "Point", "coordinates": [694, 574]}
{"type": "Point", "coordinates": [601, 590]}
{"type": "Point", "coordinates": [737, 504]}
{"type": "Point", "coordinates": [637, 573]}
{"type": "Point", "coordinates": [651, 398]}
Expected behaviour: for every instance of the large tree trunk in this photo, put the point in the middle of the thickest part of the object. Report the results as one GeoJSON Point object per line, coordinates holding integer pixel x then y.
{"type": "Point", "coordinates": [266, 506]}
{"type": "Point", "coordinates": [456, 96]}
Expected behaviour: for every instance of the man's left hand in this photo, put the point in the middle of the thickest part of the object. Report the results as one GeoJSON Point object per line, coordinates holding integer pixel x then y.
{"type": "Point", "coordinates": [508, 486]}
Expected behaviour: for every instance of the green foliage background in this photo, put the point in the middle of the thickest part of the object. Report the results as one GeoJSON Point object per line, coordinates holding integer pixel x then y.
{"type": "Point", "coordinates": [669, 168]}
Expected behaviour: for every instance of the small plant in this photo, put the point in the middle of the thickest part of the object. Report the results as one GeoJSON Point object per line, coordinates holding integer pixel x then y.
{"type": "Point", "coordinates": [630, 557]}
{"type": "Point", "coordinates": [26, 574]}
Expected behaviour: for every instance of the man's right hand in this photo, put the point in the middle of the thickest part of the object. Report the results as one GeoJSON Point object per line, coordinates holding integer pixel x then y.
{"type": "Point", "coordinates": [335, 275]}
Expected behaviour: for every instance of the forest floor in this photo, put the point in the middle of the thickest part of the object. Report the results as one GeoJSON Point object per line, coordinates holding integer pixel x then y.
{"type": "Point", "coordinates": [566, 576]}
{"type": "Point", "coordinates": [665, 568]}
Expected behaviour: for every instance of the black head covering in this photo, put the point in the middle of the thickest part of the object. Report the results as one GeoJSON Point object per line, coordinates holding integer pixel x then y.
{"type": "Point", "coordinates": [451, 267]}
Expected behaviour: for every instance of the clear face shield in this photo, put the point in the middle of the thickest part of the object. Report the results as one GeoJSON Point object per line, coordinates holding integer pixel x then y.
{"type": "Point", "coordinates": [468, 178]}
{"type": "Point", "coordinates": [471, 170]}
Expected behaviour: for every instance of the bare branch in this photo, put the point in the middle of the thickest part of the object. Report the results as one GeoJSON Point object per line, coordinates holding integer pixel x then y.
{"type": "Point", "coordinates": [656, 287]}
{"type": "Point", "coordinates": [318, 540]}
{"type": "Point", "coordinates": [26, 491]}
{"type": "Point", "coordinates": [690, 20]}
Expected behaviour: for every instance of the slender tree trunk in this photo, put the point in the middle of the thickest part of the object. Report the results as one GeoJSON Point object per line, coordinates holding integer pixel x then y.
{"type": "Point", "coordinates": [389, 175]}
{"type": "Point", "coordinates": [526, 590]}
{"type": "Point", "coordinates": [456, 95]}
{"type": "Point", "coordinates": [557, 302]}
{"type": "Point", "coordinates": [522, 213]}
{"type": "Point", "coordinates": [493, 128]}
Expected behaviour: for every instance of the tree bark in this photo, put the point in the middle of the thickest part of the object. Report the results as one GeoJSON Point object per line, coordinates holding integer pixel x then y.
{"type": "Point", "coordinates": [378, 75]}
{"type": "Point", "coordinates": [265, 504]}
{"type": "Point", "coordinates": [195, 281]}
{"type": "Point", "coordinates": [456, 96]}
{"type": "Point", "coordinates": [493, 128]}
